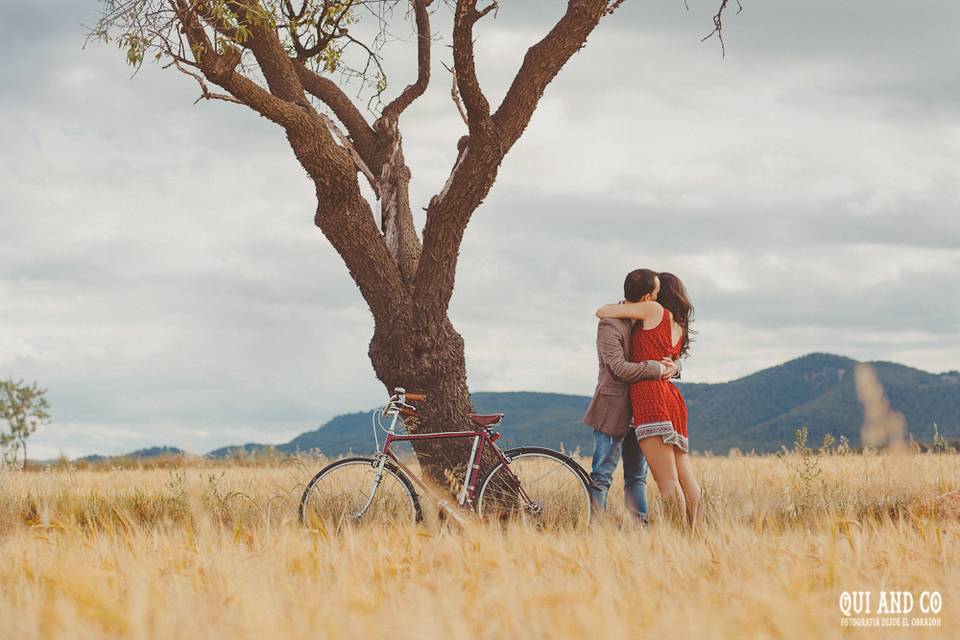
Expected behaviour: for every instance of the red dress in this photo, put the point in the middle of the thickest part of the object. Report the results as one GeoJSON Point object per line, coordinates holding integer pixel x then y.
{"type": "Point", "coordinates": [658, 406]}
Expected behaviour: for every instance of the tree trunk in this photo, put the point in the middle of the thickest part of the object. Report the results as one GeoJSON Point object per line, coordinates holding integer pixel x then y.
{"type": "Point", "coordinates": [425, 355]}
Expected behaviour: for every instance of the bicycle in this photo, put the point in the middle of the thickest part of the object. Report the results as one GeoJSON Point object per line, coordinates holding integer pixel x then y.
{"type": "Point", "coordinates": [534, 484]}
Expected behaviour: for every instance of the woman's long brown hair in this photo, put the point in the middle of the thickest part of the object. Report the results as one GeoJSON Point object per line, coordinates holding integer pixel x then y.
{"type": "Point", "coordinates": [673, 296]}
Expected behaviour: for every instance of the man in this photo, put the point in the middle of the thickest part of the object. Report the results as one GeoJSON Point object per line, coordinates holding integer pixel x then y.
{"type": "Point", "coordinates": [609, 412]}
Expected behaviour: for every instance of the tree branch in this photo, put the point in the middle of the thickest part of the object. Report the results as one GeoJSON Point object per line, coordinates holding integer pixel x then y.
{"type": "Point", "coordinates": [478, 108]}
{"type": "Point", "coordinates": [415, 90]}
{"type": "Point", "coordinates": [220, 69]}
{"type": "Point", "coordinates": [205, 93]}
{"type": "Point", "coordinates": [455, 94]}
{"type": "Point", "coordinates": [352, 150]}
{"type": "Point", "coordinates": [718, 25]}
{"type": "Point", "coordinates": [346, 220]}
{"type": "Point", "coordinates": [295, 18]}
{"type": "Point", "coordinates": [267, 49]}
{"type": "Point", "coordinates": [541, 64]}
{"type": "Point", "coordinates": [365, 139]}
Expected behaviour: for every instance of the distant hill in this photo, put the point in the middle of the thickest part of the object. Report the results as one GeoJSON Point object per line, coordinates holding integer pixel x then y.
{"type": "Point", "coordinates": [223, 452]}
{"type": "Point", "coordinates": [150, 452]}
{"type": "Point", "coordinates": [762, 411]}
{"type": "Point", "coordinates": [758, 412]}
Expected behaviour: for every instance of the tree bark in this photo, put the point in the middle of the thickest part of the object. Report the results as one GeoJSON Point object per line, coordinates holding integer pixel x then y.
{"type": "Point", "coordinates": [413, 351]}
{"type": "Point", "coordinates": [396, 218]}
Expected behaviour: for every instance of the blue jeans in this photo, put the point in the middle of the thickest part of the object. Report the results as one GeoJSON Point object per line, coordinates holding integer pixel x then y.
{"type": "Point", "coordinates": [607, 451]}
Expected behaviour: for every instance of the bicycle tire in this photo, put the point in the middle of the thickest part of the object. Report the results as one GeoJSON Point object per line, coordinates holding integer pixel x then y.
{"type": "Point", "coordinates": [391, 470]}
{"type": "Point", "coordinates": [577, 495]}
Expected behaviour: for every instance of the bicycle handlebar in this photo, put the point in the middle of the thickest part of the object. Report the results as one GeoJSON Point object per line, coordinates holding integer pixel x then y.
{"type": "Point", "coordinates": [416, 397]}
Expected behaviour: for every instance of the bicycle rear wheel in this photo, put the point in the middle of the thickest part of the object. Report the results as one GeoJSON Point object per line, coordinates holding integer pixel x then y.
{"type": "Point", "coordinates": [347, 493]}
{"type": "Point", "coordinates": [540, 486]}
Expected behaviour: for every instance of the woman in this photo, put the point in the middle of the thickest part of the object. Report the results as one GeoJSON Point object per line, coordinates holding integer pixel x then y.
{"type": "Point", "coordinates": [659, 411]}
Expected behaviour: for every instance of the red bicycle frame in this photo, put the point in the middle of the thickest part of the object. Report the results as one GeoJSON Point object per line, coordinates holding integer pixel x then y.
{"type": "Point", "coordinates": [497, 492]}
{"type": "Point", "coordinates": [481, 439]}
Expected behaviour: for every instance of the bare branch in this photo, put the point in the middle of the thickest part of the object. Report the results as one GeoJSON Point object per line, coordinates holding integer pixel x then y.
{"type": "Point", "coordinates": [205, 93]}
{"type": "Point", "coordinates": [478, 108]}
{"type": "Point", "coordinates": [415, 90]}
{"type": "Point", "coordinates": [615, 4]}
{"type": "Point", "coordinates": [718, 25]}
{"type": "Point", "coordinates": [372, 57]}
{"type": "Point", "coordinates": [455, 94]}
{"type": "Point", "coordinates": [327, 91]}
{"type": "Point", "coordinates": [542, 63]}
{"type": "Point", "coordinates": [491, 7]}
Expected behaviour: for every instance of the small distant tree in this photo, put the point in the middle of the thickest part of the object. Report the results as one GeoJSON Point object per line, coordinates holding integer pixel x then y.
{"type": "Point", "coordinates": [23, 408]}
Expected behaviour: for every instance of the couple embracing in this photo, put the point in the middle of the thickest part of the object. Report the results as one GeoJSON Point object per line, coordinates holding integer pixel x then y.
{"type": "Point", "coordinates": [637, 412]}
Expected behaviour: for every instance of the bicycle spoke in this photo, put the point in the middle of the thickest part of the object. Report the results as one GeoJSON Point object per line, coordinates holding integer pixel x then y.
{"type": "Point", "coordinates": [551, 492]}
{"type": "Point", "coordinates": [341, 495]}
{"type": "Point", "coordinates": [553, 470]}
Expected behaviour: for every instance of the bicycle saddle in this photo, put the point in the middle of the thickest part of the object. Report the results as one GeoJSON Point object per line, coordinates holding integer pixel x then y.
{"type": "Point", "coordinates": [485, 420]}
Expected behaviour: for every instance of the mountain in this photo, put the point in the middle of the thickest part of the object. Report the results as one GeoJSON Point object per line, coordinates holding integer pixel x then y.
{"type": "Point", "coordinates": [758, 412]}
{"type": "Point", "coordinates": [762, 411]}
{"type": "Point", "coordinates": [223, 452]}
{"type": "Point", "coordinates": [150, 452]}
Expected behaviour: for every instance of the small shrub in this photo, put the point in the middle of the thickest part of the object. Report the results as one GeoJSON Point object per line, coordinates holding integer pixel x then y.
{"type": "Point", "coordinates": [807, 471]}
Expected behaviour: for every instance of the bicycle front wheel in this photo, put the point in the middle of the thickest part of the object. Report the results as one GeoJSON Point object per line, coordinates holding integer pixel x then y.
{"type": "Point", "coordinates": [540, 486]}
{"type": "Point", "coordinates": [353, 491]}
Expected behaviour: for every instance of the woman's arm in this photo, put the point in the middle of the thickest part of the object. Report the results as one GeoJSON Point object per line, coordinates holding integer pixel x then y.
{"type": "Point", "coordinates": [647, 311]}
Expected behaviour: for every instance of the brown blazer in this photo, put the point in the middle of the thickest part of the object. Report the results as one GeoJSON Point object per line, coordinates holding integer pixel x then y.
{"type": "Point", "coordinates": [609, 411]}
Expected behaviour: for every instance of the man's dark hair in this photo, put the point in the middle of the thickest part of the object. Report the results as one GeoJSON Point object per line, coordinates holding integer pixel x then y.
{"type": "Point", "coordinates": [639, 283]}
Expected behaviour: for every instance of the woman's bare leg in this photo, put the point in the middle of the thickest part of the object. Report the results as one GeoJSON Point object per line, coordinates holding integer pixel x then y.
{"type": "Point", "coordinates": [663, 465]}
{"type": "Point", "coordinates": [689, 483]}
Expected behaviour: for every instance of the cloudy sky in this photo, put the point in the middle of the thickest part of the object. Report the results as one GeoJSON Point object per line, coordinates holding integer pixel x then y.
{"type": "Point", "coordinates": [160, 273]}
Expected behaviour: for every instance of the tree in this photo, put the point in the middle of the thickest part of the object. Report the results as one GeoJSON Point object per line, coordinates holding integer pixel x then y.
{"type": "Point", "coordinates": [296, 46]}
{"type": "Point", "coordinates": [23, 408]}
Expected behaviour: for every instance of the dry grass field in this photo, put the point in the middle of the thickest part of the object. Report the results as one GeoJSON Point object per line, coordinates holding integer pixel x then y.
{"type": "Point", "coordinates": [206, 551]}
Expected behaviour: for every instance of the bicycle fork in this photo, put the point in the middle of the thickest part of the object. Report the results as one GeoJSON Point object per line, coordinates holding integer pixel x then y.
{"type": "Point", "coordinates": [377, 479]}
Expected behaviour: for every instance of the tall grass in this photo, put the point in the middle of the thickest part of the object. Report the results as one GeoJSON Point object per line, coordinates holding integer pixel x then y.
{"type": "Point", "coordinates": [216, 551]}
